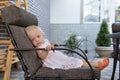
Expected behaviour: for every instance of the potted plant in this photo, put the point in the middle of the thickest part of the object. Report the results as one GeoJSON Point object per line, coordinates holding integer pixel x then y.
{"type": "Point", "coordinates": [71, 42]}
{"type": "Point", "coordinates": [103, 43]}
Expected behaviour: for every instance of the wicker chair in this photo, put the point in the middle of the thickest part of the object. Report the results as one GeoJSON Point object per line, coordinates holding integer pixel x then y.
{"type": "Point", "coordinates": [31, 64]}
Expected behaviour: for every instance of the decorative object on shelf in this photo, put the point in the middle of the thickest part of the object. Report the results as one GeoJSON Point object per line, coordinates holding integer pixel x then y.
{"type": "Point", "coordinates": [103, 43]}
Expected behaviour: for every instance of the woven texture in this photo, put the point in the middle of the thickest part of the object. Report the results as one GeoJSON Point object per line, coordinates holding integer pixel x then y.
{"type": "Point", "coordinates": [17, 16]}
{"type": "Point", "coordinates": [79, 73]}
{"type": "Point", "coordinates": [115, 27]}
{"type": "Point", "coordinates": [30, 58]}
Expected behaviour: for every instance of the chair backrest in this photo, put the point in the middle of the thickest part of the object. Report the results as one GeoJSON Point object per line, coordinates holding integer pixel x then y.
{"type": "Point", "coordinates": [29, 59]}
{"type": "Point", "coordinates": [115, 29]}
{"type": "Point", "coordinates": [18, 19]}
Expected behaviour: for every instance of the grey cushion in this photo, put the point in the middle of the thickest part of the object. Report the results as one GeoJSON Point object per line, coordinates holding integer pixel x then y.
{"type": "Point", "coordinates": [17, 16]}
{"type": "Point", "coordinates": [70, 74]}
{"type": "Point", "coordinates": [21, 40]}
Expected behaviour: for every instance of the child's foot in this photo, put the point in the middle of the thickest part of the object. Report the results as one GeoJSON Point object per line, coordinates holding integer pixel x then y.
{"type": "Point", "coordinates": [103, 64]}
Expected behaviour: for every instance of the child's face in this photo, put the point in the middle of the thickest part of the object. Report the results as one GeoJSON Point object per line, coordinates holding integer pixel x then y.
{"type": "Point", "coordinates": [37, 37]}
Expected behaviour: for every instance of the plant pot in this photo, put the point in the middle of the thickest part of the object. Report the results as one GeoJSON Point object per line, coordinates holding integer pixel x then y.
{"type": "Point", "coordinates": [104, 51]}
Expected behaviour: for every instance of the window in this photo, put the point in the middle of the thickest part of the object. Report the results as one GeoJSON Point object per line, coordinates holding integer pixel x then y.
{"type": "Point", "coordinates": [91, 11]}
{"type": "Point", "coordinates": [95, 10]}
{"type": "Point", "coordinates": [84, 11]}
{"type": "Point", "coordinates": [117, 11]}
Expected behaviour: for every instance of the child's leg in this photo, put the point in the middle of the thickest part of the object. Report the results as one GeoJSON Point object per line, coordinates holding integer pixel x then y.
{"type": "Point", "coordinates": [100, 64]}
{"type": "Point", "coordinates": [91, 62]}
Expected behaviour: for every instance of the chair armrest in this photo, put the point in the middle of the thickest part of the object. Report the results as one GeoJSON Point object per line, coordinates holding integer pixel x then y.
{"type": "Point", "coordinates": [113, 35]}
{"type": "Point", "coordinates": [75, 52]}
{"type": "Point", "coordinates": [84, 54]}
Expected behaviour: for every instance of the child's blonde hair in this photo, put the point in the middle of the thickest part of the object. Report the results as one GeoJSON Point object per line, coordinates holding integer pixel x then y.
{"type": "Point", "coordinates": [33, 27]}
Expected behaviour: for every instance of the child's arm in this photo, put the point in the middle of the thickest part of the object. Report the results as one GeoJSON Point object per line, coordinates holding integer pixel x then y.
{"type": "Point", "coordinates": [51, 46]}
{"type": "Point", "coordinates": [42, 54]}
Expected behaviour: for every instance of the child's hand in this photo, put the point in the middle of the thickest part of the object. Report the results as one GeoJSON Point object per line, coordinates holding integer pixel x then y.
{"type": "Point", "coordinates": [55, 43]}
{"type": "Point", "coordinates": [49, 47]}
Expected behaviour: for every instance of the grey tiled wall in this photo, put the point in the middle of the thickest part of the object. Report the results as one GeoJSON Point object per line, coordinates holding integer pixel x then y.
{"type": "Point", "coordinates": [60, 32]}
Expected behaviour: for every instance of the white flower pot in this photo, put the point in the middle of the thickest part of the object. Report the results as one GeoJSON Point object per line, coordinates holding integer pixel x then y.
{"type": "Point", "coordinates": [104, 51]}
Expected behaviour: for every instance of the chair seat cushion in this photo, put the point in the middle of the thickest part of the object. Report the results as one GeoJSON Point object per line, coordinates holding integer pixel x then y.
{"type": "Point", "coordinates": [79, 73]}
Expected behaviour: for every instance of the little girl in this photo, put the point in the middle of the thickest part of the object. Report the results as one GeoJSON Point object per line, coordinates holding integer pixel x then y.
{"type": "Point", "coordinates": [56, 59]}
